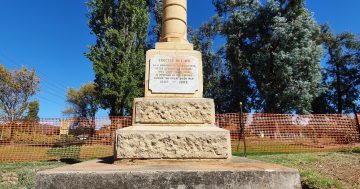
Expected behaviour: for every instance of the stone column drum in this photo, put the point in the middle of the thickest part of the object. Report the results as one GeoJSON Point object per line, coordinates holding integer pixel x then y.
{"type": "Point", "coordinates": [173, 120]}
{"type": "Point", "coordinates": [174, 21]}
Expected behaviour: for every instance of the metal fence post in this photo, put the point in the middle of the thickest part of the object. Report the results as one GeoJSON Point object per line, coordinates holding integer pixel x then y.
{"type": "Point", "coordinates": [356, 119]}
{"type": "Point", "coordinates": [241, 130]}
{"type": "Point", "coordinates": [240, 126]}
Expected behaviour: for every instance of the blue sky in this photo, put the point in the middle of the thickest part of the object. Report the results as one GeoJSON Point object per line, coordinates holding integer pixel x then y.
{"type": "Point", "coordinates": [52, 37]}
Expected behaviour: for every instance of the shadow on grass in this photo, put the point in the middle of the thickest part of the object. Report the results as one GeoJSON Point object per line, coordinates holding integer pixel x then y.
{"type": "Point", "coordinates": [66, 160]}
{"type": "Point", "coordinates": [70, 161]}
{"type": "Point", "coordinates": [107, 160]}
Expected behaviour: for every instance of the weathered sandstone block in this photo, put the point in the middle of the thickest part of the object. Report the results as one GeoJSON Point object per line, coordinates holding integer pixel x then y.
{"type": "Point", "coordinates": [174, 111]}
{"type": "Point", "coordinates": [159, 174]}
{"type": "Point", "coordinates": [153, 142]}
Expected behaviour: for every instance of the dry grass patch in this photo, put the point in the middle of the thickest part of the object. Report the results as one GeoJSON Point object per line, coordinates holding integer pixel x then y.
{"type": "Point", "coordinates": [321, 170]}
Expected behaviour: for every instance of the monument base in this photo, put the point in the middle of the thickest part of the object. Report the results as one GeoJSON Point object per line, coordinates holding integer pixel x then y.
{"type": "Point", "coordinates": [159, 174]}
{"type": "Point", "coordinates": [172, 142]}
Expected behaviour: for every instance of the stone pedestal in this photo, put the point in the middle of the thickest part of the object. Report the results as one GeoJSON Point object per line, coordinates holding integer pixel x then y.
{"type": "Point", "coordinates": [173, 121]}
{"type": "Point", "coordinates": [238, 173]}
{"type": "Point", "coordinates": [173, 128]}
{"type": "Point", "coordinates": [172, 142]}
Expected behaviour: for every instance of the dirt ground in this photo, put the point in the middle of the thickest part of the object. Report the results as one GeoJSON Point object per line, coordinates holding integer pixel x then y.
{"type": "Point", "coordinates": [342, 168]}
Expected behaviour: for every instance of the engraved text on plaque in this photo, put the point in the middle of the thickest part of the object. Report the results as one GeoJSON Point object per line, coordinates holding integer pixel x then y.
{"type": "Point", "coordinates": [173, 75]}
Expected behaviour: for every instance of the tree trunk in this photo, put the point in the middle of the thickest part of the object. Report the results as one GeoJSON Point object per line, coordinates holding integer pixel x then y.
{"type": "Point", "coordinates": [113, 127]}
{"type": "Point", "coordinates": [12, 132]}
{"type": "Point", "coordinates": [270, 106]}
{"type": "Point", "coordinates": [338, 91]}
{"type": "Point", "coordinates": [2, 132]}
{"type": "Point", "coordinates": [92, 131]}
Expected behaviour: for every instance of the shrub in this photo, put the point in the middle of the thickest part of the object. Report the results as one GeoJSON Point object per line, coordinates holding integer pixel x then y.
{"type": "Point", "coordinates": [356, 149]}
{"type": "Point", "coordinates": [345, 150]}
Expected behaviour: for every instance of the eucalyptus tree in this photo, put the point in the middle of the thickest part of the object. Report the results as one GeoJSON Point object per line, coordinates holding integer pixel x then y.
{"type": "Point", "coordinates": [341, 72]}
{"type": "Point", "coordinates": [273, 52]}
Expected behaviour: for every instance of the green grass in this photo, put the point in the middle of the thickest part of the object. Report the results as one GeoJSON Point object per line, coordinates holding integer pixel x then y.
{"type": "Point", "coordinates": [242, 154]}
{"type": "Point", "coordinates": [35, 153]}
{"type": "Point", "coordinates": [313, 179]}
{"type": "Point", "coordinates": [274, 146]}
{"type": "Point", "coordinates": [319, 170]}
{"type": "Point", "coordinates": [356, 149]}
{"type": "Point", "coordinates": [25, 172]}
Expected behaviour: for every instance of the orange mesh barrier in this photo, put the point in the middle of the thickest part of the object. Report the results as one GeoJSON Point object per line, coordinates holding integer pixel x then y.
{"type": "Point", "coordinates": [291, 133]}
{"type": "Point", "coordinates": [49, 139]}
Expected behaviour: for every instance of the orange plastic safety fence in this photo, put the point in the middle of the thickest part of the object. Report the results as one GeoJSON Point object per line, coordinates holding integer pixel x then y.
{"type": "Point", "coordinates": [290, 133]}
{"type": "Point", "coordinates": [48, 139]}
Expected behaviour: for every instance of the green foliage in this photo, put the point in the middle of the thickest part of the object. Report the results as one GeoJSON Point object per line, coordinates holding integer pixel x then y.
{"type": "Point", "coordinates": [356, 150]}
{"type": "Point", "coordinates": [156, 11]}
{"type": "Point", "coordinates": [33, 111]}
{"type": "Point", "coordinates": [16, 88]}
{"type": "Point", "coordinates": [67, 147]}
{"type": "Point", "coordinates": [273, 54]}
{"type": "Point", "coordinates": [345, 150]}
{"type": "Point", "coordinates": [83, 103]}
{"type": "Point", "coordinates": [350, 150]}
{"type": "Point", "coordinates": [118, 56]}
{"type": "Point", "coordinates": [214, 73]}
{"type": "Point", "coordinates": [341, 73]}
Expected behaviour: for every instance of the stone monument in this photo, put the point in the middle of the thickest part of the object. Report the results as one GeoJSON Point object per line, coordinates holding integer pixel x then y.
{"type": "Point", "coordinates": [173, 142]}
{"type": "Point", "coordinates": [173, 121]}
